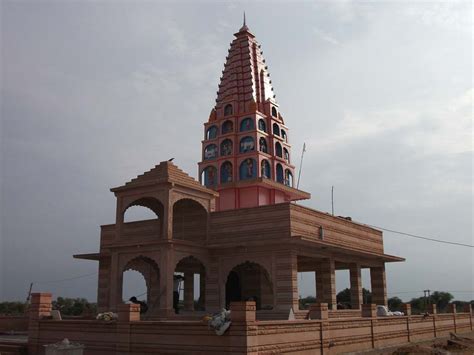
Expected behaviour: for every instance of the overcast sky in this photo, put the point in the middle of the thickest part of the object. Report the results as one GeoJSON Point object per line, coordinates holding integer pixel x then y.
{"type": "Point", "coordinates": [96, 92]}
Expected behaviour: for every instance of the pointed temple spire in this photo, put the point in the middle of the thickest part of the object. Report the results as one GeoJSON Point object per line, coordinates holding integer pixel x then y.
{"type": "Point", "coordinates": [246, 154]}
{"type": "Point", "coordinates": [244, 26]}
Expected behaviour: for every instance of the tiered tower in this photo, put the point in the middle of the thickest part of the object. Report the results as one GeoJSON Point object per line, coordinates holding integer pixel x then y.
{"type": "Point", "coordinates": [246, 155]}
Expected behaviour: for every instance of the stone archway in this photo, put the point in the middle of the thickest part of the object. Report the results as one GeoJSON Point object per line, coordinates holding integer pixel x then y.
{"type": "Point", "coordinates": [150, 271]}
{"type": "Point", "coordinates": [249, 281]}
{"type": "Point", "coordinates": [192, 269]}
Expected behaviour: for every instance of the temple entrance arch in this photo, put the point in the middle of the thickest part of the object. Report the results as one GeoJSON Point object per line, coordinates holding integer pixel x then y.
{"type": "Point", "coordinates": [191, 291]}
{"type": "Point", "coordinates": [150, 271]}
{"type": "Point", "coordinates": [249, 281]}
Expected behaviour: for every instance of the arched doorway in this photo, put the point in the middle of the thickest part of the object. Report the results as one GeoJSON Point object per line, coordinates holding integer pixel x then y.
{"type": "Point", "coordinates": [249, 281]}
{"type": "Point", "coordinates": [150, 271]}
{"type": "Point", "coordinates": [191, 290]}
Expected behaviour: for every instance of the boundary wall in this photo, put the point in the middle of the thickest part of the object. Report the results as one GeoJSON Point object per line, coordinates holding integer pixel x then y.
{"type": "Point", "coordinates": [246, 335]}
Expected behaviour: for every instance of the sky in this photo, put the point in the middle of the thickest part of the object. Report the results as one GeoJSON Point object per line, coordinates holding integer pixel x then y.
{"type": "Point", "coordinates": [94, 93]}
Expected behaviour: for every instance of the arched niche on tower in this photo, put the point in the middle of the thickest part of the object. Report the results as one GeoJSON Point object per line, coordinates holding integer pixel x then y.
{"type": "Point", "coordinates": [283, 135]}
{"type": "Point", "coordinates": [248, 169]}
{"type": "Point", "coordinates": [288, 178]}
{"type": "Point", "coordinates": [210, 152]}
{"type": "Point", "coordinates": [247, 144]}
{"type": "Point", "coordinates": [278, 150]}
{"type": "Point", "coordinates": [209, 176]}
{"type": "Point", "coordinates": [211, 132]}
{"type": "Point", "coordinates": [262, 145]}
{"type": "Point", "coordinates": [227, 127]}
{"type": "Point", "coordinates": [228, 110]}
{"type": "Point", "coordinates": [262, 126]}
{"type": "Point", "coordinates": [227, 174]}
{"type": "Point", "coordinates": [247, 124]}
{"type": "Point", "coordinates": [280, 176]}
{"type": "Point", "coordinates": [226, 147]}
{"type": "Point", "coordinates": [189, 220]}
{"type": "Point", "coordinates": [274, 111]}
{"type": "Point", "coordinates": [265, 169]}
{"type": "Point", "coordinates": [286, 155]}
{"type": "Point", "coordinates": [276, 129]}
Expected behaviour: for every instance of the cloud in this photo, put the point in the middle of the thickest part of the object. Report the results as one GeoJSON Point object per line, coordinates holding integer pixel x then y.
{"type": "Point", "coordinates": [324, 36]}
{"type": "Point", "coordinates": [430, 126]}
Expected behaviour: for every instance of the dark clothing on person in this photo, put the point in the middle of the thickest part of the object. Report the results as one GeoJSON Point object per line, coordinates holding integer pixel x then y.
{"type": "Point", "coordinates": [176, 302]}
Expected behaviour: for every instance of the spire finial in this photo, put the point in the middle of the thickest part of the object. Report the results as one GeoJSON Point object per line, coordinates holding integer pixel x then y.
{"type": "Point", "coordinates": [244, 26]}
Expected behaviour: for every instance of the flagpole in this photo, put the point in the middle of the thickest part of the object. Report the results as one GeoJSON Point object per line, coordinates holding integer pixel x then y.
{"type": "Point", "coordinates": [301, 165]}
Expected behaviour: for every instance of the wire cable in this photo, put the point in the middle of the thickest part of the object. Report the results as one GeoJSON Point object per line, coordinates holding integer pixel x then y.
{"type": "Point", "coordinates": [421, 237]}
{"type": "Point", "coordinates": [67, 279]}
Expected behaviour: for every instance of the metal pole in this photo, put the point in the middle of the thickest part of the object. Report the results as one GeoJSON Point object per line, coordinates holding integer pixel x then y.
{"type": "Point", "coordinates": [332, 199]}
{"type": "Point", "coordinates": [301, 165]}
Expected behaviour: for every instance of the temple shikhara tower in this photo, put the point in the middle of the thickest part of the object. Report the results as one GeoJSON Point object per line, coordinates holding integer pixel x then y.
{"type": "Point", "coordinates": [246, 155]}
{"type": "Point", "coordinates": [237, 234]}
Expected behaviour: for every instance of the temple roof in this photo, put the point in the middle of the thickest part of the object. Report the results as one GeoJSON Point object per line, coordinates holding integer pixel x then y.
{"type": "Point", "coordinates": [245, 77]}
{"type": "Point", "coordinates": [165, 172]}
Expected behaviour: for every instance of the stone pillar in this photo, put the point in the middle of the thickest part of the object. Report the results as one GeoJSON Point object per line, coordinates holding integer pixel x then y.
{"type": "Point", "coordinates": [467, 308]}
{"type": "Point", "coordinates": [406, 309]}
{"type": "Point", "coordinates": [319, 285]}
{"type": "Point", "coordinates": [212, 289]}
{"type": "Point", "coordinates": [40, 307]}
{"type": "Point", "coordinates": [319, 311]}
{"type": "Point", "coordinates": [369, 310]}
{"type": "Point", "coordinates": [116, 283]}
{"type": "Point", "coordinates": [126, 313]}
{"type": "Point", "coordinates": [329, 283]}
{"type": "Point", "coordinates": [243, 312]}
{"type": "Point", "coordinates": [167, 218]}
{"type": "Point", "coordinates": [103, 296]}
{"type": "Point", "coordinates": [166, 282]}
{"type": "Point", "coordinates": [379, 285]}
{"type": "Point", "coordinates": [286, 280]}
{"type": "Point", "coordinates": [189, 291]}
{"type": "Point", "coordinates": [356, 286]}
{"type": "Point", "coordinates": [202, 289]}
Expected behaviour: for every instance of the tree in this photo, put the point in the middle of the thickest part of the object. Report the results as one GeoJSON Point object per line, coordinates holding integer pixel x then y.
{"type": "Point", "coordinates": [305, 302]}
{"type": "Point", "coordinates": [344, 297]}
{"type": "Point", "coordinates": [74, 306]}
{"type": "Point", "coordinates": [394, 304]}
{"type": "Point", "coordinates": [13, 308]}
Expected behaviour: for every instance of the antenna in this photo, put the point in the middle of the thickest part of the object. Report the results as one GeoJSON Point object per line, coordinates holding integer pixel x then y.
{"type": "Point", "coordinates": [332, 199]}
{"type": "Point", "coordinates": [301, 165]}
{"type": "Point", "coordinates": [244, 20]}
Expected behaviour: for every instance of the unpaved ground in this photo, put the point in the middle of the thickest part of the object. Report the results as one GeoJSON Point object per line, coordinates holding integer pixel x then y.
{"type": "Point", "coordinates": [440, 346]}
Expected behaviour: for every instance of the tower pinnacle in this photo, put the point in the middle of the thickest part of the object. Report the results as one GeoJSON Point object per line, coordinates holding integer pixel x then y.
{"type": "Point", "coordinates": [244, 26]}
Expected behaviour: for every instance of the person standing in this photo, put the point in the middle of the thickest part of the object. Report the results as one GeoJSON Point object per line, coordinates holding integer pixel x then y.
{"type": "Point", "coordinates": [176, 287]}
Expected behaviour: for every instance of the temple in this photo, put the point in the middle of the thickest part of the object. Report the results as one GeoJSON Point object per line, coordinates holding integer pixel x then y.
{"type": "Point", "coordinates": [238, 231]}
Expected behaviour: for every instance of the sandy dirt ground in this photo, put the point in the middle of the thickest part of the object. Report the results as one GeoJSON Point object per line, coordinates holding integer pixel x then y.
{"type": "Point", "coordinates": [458, 344]}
